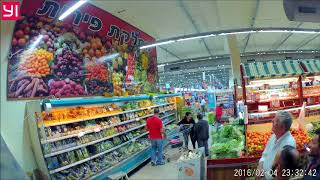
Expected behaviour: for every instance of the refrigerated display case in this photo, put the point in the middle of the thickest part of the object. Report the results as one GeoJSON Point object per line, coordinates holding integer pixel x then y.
{"type": "Point", "coordinates": [96, 137]}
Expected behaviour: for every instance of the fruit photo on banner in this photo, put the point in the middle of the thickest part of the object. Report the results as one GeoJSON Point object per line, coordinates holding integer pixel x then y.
{"type": "Point", "coordinates": [89, 53]}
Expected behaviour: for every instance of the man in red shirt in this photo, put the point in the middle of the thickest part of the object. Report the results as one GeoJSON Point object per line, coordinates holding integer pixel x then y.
{"type": "Point", "coordinates": [218, 115]}
{"type": "Point", "coordinates": [156, 135]}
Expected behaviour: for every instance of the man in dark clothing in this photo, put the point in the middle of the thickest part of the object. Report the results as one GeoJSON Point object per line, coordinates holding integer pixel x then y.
{"type": "Point", "coordinates": [201, 132]}
{"type": "Point", "coordinates": [313, 169]}
{"type": "Point", "coordinates": [188, 121]}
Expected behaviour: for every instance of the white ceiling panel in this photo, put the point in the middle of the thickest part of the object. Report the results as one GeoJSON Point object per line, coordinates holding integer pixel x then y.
{"type": "Point", "coordinates": [161, 19]}
{"type": "Point", "coordinates": [188, 49]}
{"type": "Point", "coordinates": [165, 19]}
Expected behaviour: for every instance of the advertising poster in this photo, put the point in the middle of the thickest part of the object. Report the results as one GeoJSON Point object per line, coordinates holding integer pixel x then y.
{"type": "Point", "coordinates": [89, 53]}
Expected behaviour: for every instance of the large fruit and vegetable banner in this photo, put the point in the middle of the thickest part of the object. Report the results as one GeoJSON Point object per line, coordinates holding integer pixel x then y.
{"type": "Point", "coordinates": [90, 52]}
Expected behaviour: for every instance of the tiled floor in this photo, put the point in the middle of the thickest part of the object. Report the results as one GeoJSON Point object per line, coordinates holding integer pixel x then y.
{"type": "Point", "coordinates": [169, 171]}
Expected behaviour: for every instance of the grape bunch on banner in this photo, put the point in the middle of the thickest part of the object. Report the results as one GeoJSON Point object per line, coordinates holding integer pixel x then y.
{"type": "Point", "coordinates": [87, 53]}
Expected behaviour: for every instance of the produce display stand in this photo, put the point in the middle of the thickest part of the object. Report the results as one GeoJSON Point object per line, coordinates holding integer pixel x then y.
{"type": "Point", "coordinates": [279, 85]}
{"type": "Point", "coordinates": [266, 88]}
{"type": "Point", "coordinates": [230, 168]}
{"type": "Point", "coordinates": [96, 137]}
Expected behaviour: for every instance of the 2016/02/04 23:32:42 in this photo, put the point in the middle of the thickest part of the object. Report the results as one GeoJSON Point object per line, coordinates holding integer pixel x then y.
{"type": "Point", "coordinates": [251, 172]}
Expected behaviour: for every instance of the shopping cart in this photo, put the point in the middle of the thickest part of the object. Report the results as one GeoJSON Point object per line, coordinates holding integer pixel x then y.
{"type": "Point", "coordinates": [174, 141]}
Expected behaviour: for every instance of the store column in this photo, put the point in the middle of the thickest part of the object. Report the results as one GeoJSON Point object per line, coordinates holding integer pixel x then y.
{"type": "Point", "coordinates": [231, 47]}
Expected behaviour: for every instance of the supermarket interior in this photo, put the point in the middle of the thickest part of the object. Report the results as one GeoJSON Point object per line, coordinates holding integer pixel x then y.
{"type": "Point", "coordinates": [158, 89]}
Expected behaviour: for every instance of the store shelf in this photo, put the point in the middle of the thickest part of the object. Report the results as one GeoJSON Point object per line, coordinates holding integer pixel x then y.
{"type": "Point", "coordinates": [291, 109]}
{"type": "Point", "coordinates": [122, 162]}
{"type": "Point", "coordinates": [126, 165]}
{"type": "Point", "coordinates": [101, 116]}
{"type": "Point", "coordinates": [92, 130]}
{"type": "Point", "coordinates": [269, 100]}
{"type": "Point", "coordinates": [102, 153]}
{"type": "Point", "coordinates": [95, 156]}
{"type": "Point", "coordinates": [168, 122]}
{"type": "Point", "coordinates": [92, 142]}
{"type": "Point", "coordinates": [167, 115]}
{"type": "Point", "coordinates": [100, 140]}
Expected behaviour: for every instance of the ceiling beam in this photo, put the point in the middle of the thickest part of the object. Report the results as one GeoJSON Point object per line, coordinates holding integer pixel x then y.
{"type": "Point", "coordinates": [286, 38]}
{"type": "Point", "coordinates": [169, 52]}
{"type": "Point", "coordinates": [222, 57]}
{"type": "Point", "coordinates": [253, 20]}
{"type": "Point", "coordinates": [307, 41]}
{"type": "Point", "coordinates": [184, 9]}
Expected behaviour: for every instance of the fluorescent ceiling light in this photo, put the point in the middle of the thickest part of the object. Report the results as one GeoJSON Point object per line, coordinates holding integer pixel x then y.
{"type": "Point", "coordinates": [305, 32]}
{"type": "Point", "coordinates": [272, 31]}
{"type": "Point", "coordinates": [157, 44]}
{"type": "Point", "coordinates": [196, 37]}
{"type": "Point", "coordinates": [236, 32]}
{"type": "Point", "coordinates": [71, 9]}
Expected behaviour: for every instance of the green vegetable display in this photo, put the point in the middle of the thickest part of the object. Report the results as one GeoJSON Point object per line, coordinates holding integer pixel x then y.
{"type": "Point", "coordinates": [211, 118]}
{"type": "Point", "coordinates": [316, 126]}
{"type": "Point", "coordinates": [228, 142]}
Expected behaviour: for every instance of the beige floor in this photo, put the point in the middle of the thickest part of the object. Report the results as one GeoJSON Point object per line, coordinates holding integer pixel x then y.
{"type": "Point", "coordinates": [169, 171]}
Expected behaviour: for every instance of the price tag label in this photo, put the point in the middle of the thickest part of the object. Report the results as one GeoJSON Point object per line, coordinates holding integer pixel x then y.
{"type": "Point", "coordinates": [81, 134]}
{"type": "Point", "coordinates": [137, 119]}
{"type": "Point", "coordinates": [97, 129]}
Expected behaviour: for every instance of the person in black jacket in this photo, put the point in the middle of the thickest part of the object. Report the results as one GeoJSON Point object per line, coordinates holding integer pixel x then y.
{"type": "Point", "coordinates": [201, 132]}
{"type": "Point", "coordinates": [188, 120]}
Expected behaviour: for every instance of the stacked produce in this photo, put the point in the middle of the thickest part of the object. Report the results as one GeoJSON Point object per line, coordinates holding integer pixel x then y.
{"type": "Point", "coordinates": [117, 83]}
{"type": "Point", "coordinates": [68, 65]}
{"type": "Point", "coordinates": [97, 71]}
{"type": "Point", "coordinates": [228, 142]}
{"type": "Point", "coordinates": [36, 63]}
{"type": "Point", "coordinates": [61, 50]}
{"type": "Point", "coordinates": [66, 88]}
{"type": "Point", "coordinates": [256, 141]}
{"type": "Point", "coordinates": [27, 87]}
{"type": "Point", "coordinates": [96, 165]}
{"type": "Point", "coordinates": [130, 69]}
{"type": "Point", "coordinates": [94, 49]}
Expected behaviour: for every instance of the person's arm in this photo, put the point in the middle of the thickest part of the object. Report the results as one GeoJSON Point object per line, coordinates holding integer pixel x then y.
{"type": "Point", "coordinates": [162, 130]}
{"type": "Point", "coordinates": [181, 122]}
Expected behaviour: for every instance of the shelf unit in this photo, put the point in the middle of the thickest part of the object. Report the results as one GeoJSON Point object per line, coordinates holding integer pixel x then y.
{"type": "Point", "coordinates": [289, 90]}
{"type": "Point", "coordinates": [46, 156]}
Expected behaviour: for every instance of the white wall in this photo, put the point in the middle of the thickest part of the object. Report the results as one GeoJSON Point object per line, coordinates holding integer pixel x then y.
{"type": "Point", "coordinates": [13, 129]}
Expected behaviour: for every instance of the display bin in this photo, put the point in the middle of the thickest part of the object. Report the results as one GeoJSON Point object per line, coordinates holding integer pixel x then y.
{"type": "Point", "coordinates": [231, 169]}
{"type": "Point", "coordinates": [192, 169]}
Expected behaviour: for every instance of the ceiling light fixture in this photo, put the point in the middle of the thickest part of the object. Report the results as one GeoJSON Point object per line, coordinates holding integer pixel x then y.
{"type": "Point", "coordinates": [195, 37]}
{"type": "Point", "coordinates": [71, 9]}
{"type": "Point", "coordinates": [157, 44]}
{"type": "Point", "coordinates": [240, 31]}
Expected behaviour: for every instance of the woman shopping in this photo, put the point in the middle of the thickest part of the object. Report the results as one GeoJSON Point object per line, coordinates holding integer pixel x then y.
{"type": "Point", "coordinates": [185, 123]}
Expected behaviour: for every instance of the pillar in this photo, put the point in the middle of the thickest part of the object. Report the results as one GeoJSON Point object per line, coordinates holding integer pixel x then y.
{"type": "Point", "coordinates": [231, 47]}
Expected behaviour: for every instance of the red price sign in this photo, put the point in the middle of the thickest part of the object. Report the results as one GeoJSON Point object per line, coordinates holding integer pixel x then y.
{"type": "Point", "coordinates": [10, 10]}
